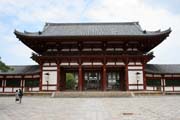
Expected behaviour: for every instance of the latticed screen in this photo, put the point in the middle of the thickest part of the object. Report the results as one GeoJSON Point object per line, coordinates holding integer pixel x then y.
{"type": "Point", "coordinates": [154, 82]}
{"type": "Point", "coordinates": [13, 83]}
{"type": "Point", "coordinates": [175, 82]}
{"type": "Point", "coordinates": [31, 83]}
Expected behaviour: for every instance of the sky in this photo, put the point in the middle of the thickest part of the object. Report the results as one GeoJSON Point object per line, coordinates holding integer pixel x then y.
{"type": "Point", "coordinates": [31, 15]}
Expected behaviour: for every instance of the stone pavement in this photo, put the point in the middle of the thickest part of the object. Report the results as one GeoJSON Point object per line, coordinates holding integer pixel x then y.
{"type": "Point", "coordinates": [133, 108]}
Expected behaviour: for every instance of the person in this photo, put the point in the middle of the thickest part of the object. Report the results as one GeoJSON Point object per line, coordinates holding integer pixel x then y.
{"type": "Point", "coordinates": [16, 96]}
{"type": "Point", "coordinates": [20, 94]}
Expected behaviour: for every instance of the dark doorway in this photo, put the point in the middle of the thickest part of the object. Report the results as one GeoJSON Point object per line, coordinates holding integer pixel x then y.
{"type": "Point", "coordinates": [116, 79]}
{"type": "Point", "coordinates": [68, 79]}
{"type": "Point", "coordinates": [92, 80]}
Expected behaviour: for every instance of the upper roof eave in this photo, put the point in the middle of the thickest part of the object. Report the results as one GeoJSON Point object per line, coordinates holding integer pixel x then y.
{"type": "Point", "coordinates": [39, 35]}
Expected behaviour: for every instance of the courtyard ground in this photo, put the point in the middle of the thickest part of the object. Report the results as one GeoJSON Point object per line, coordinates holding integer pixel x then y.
{"type": "Point", "coordinates": [127, 108]}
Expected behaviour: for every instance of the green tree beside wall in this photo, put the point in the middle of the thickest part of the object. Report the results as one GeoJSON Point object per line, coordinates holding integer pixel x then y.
{"type": "Point", "coordinates": [70, 81]}
{"type": "Point", "coordinates": [3, 66]}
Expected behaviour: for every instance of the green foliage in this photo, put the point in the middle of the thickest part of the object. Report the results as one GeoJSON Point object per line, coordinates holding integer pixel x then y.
{"type": "Point", "coordinates": [70, 81]}
{"type": "Point", "coordinates": [3, 66]}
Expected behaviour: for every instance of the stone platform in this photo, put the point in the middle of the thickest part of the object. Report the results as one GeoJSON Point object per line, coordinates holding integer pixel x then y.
{"type": "Point", "coordinates": [84, 94]}
{"type": "Point", "coordinates": [124, 108]}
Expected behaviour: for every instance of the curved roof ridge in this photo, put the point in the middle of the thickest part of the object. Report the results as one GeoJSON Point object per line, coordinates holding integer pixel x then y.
{"type": "Point", "coordinates": [21, 65]}
{"type": "Point", "coordinates": [92, 23]}
{"type": "Point", "coordinates": [27, 32]}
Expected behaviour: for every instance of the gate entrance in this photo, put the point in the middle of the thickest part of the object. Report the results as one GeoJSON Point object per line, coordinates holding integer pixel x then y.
{"type": "Point", "coordinates": [92, 80]}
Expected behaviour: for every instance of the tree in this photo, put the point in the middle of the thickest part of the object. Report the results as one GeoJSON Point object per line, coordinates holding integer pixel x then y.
{"type": "Point", "coordinates": [3, 66]}
{"type": "Point", "coordinates": [70, 81]}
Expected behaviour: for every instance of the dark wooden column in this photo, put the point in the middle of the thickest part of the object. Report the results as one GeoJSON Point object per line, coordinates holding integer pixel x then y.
{"type": "Point", "coordinates": [41, 77]}
{"type": "Point", "coordinates": [80, 78]}
{"type": "Point", "coordinates": [22, 84]}
{"type": "Point", "coordinates": [58, 77]}
{"type": "Point", "coordinates": [163, 82]}
{"type": "Point", "coordinates": [3, 84]}
{"type": "Point", "coordinates": [104, 78]}
{"type": "Point", "coordinates": [126, 77]}
{"type": "Point", "coordinates": [144, 78]}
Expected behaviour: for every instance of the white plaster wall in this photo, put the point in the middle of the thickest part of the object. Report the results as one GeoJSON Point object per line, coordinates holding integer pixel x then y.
{"type": "Point", "coordinates": [134, 67]}
{"type": "Point", "coordinates": [149, 88]}
{"type": "Point", "coordinates": [52, 88]}
{"type": "Point", "coordinates": [49, 68]}
{"type": "Point", "coordinates": [168, 88]}
{"type": "Point", "coordinates": [1, 89]}
{"type": "Point", "coordinates": [34, 89]}
{"type": "Point", "coordinates": [176, 75]}
{"type": "Point", "coordinates": [10, 89]}
{"type": "Point", "coordinates": [135, 87]}
{"type": "Point", "coordinates": [49, 87]}
{"type": "Point", "coordinates": [133, 77]}
{"type": "Point", "coordinates": [176, 88]}
{"type": "Point", "coordinates": [119, 63]}
{"type": "Point", "coordinates": [52, 77]}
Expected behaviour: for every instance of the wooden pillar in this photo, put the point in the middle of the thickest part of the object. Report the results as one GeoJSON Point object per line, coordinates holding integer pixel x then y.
{"type": "Point", "coordinates": [3, 84]}
{"type": "Point", "coordinates": [104, 78]}
{"type": "Point", "coordinates": [22, 84]}
{"type": "Point", "coordinates": [58, 77]}
{"type": "Point", "coordinates": [41, 77]}
{"type": "Point", "coordinates": [121, 79]}
{"type": "Point", "coordinates": [144, 78]}
{"type": "Point", "coordinates": [80, 78]}
{"type": "Point", "coordinates": [126, 77]}
{"type": "Point", "coordinates": [163, 82]}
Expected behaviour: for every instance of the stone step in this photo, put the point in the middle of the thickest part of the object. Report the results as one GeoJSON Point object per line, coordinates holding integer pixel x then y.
{"type": "Point", "coordinates": [86, 94]}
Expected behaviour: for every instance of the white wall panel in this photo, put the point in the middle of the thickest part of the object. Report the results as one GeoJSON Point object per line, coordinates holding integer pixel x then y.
{"type": "Point", "coordinates": [49, 68]}
{"type": "Point", "coordinates": [1, 89]}
{"type": "Point", "coordinates": [168, 88]}
{"type": "Point", "coordinates": [176, 88]}
{"type": "Point", "coordinates": [149, 88]}
{"type": "Point", "coordinates": [52, 78]}
{"type": "Point", "coordinates": [133, 77]}
{"type": "Point", "coordinates": [51, 87]}
{"type": "Point", "coordinates": [135, 88]}
{"type": "Point", "coordinates": [134, 67]}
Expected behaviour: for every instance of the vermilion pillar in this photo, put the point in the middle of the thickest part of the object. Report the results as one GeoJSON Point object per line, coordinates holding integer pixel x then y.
{"type": "Point", "coordinates": [104, 80]}
{"type": "Point", "coordinates": [80, 78]}
{"type": "Point", "coordinates": [3, 84]}
{"type": "Point", "coordinates": [126, 77]}
{"type": "Point", "coordinates": [58, 77]}
{"type": "Point", "coordinates": [41, 77]}
{"type": "Point", "coordinates": [144, 78]}
{"type": "Point", "coordinates": [163, 82]}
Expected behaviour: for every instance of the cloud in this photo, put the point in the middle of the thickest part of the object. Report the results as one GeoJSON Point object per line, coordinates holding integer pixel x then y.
{"type": "Point", "coordinates": [149, 17]}
{"type": "Point", "coordinates": [31, 15]}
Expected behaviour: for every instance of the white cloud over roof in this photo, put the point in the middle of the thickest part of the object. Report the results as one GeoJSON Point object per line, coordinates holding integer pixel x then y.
{"type": "Point", "coordinates": [31, 15]}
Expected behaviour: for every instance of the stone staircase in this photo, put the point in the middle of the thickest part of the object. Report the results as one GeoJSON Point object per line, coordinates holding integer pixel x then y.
{"type": "Point", "coordinates": [87, 94]}
{"type": "Point", "coordinates": [99, 94]}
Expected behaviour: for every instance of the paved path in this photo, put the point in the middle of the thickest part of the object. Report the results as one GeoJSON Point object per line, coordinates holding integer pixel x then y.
{"type": "Point", "coordinates": [135, 108]}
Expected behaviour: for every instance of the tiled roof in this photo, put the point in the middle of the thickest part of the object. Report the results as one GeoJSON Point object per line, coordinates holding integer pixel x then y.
{"type": "Point", "coordinates": [163, 68]}
{"type": "Point", "coordinates": [149, 68]}
{"type": "Point", "coordinates": [93, 29]}
{"type": "Point", "coordinates": [26, 69]}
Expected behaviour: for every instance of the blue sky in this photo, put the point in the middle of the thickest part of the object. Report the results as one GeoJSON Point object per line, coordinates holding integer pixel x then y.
{"type": "Point", "coordinates": [31, 16]}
